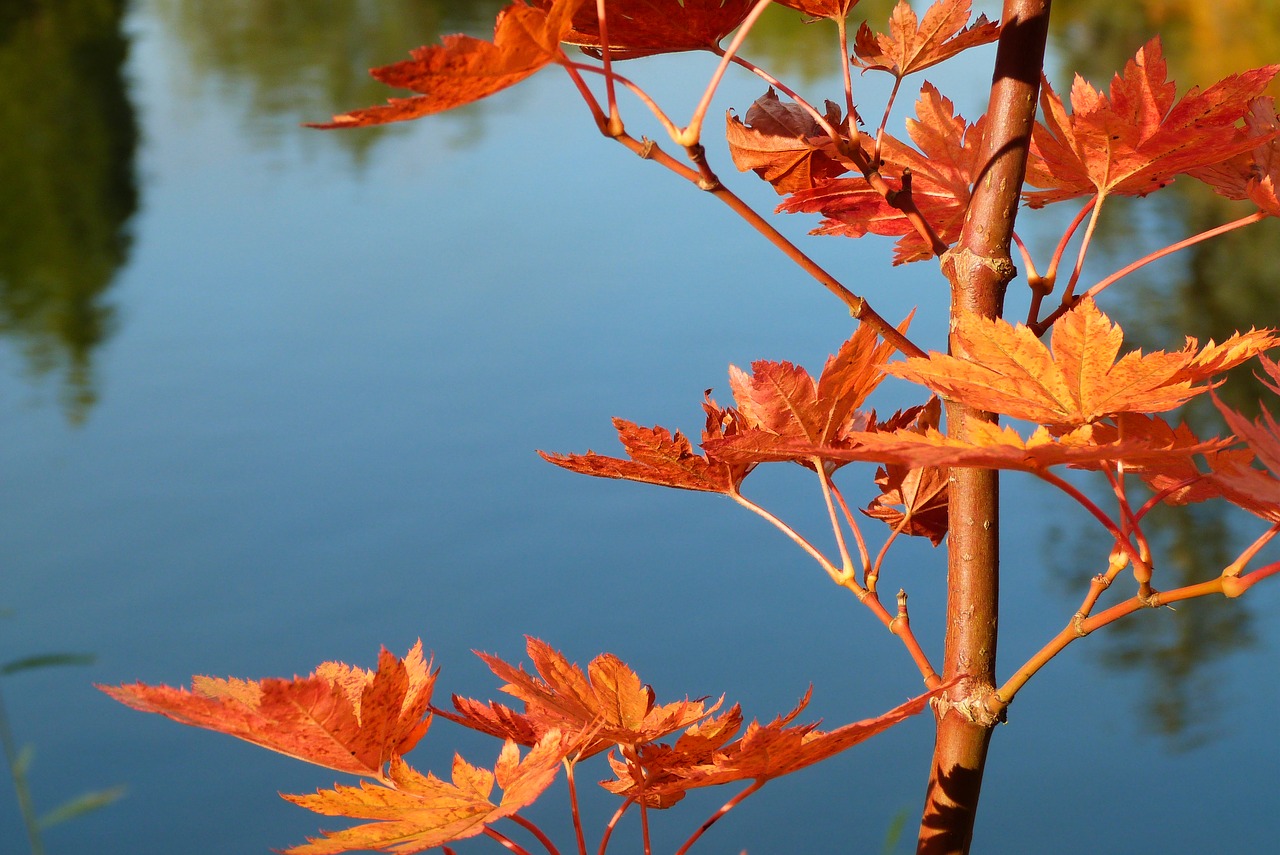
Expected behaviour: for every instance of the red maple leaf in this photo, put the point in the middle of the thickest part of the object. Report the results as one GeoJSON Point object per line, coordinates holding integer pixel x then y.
{"type": "Point", "coordinates": [1139, 137]}
{"type": "Point", "coordinates": [463, 69]}
{"type": "Point", "coordinates": [340, 717]}
{"type": "Point", "coordinates": [1253, 175]}
{"type": "Point", "coordinates": [913, 44]}
{"type": "Point", "coordinates": [640, 28]}
{"type": "Point", "coordinates": [942, 171]}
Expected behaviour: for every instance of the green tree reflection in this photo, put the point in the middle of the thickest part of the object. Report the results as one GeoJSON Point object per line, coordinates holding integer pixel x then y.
{"type": "Point", "coordinates": [286, 62]}
{"type": "Point", "coordinates": [66, 166]}
{"type": "Point", "coordinates": [1230, 283]}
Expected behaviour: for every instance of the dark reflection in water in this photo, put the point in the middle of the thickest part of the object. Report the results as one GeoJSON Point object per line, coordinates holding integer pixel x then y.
{"type": "Point", "coordinates": [1208, 291]}
{"type": "Point", "coordinates": [66, 166]}
{"type": "Point", "coordinates": [287, 61]}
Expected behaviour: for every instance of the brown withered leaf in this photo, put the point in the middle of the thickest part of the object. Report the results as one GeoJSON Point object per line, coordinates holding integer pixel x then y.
{"type": "Point", "coordinates": [606, 706]}
{"type": "Point", "coordinates": [913, 44]}
{"type": "Point", "coordinates": [1137, 139]}
{"type": "Point", "coordinates": [784, 144]}
{"type": "Point", "coordinates": [419, 812]}
{"type": "Point", "coordinates": [943, 169]}
{"type": "Point", "coordinates": [340, 717]}
{"type": "Point", "coordinates": [463, 69]}
{"type": "Point", "coordinates": [1007, 369]}
{"type": "Point", "coordinates": [640, 28]}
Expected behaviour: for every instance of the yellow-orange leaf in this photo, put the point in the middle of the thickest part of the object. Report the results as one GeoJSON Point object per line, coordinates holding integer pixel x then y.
{"type": "Point", "coordinates": [1007, 369]}
{"type": "Point", "coordinates": [419, 812]}
{"type": "Point", "coordinates": [340, 717]}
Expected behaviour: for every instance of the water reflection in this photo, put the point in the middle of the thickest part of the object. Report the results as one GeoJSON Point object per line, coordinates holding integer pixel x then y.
{"type": "Point", "coordinates": [67, 170]}
{"type": "Point", "coordinates": [1208, 291]}
{"type": "Point", "coordinates": [284, 62]}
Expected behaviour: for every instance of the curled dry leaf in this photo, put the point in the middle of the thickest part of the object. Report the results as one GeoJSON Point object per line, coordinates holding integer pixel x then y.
{"type": "Point", "coordinates": [916, 44]}
{"type": "Point", "coordinates": [784, 144]}
{"type": "Point", "coordinates": [340, 717]}
{"type": "Point", "coordinates": [942, 170]}
{"type": "Point", "coordinates": [419, 812]}
{"type": "Point", "coordinates": [1141, 136]}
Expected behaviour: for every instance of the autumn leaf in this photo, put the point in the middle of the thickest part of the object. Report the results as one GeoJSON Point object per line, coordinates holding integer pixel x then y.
{"type": "Point", "coordinates": [463, 69]}
{"type": "Point", "coordinates": [1255, 174]}
{"type": "Point", "coordinates": [784, 399]}
{"type": "Point", "coordinates": [1255, 490]}
{"type": "Point", "coordinates": [1176, 475]}
{"type": "Point", "coordinates": [639, 28]}
{"type": "Point", "coordinates": [1007, 369]}
{"type": "Point", "coordinates": [762, 753]}
{"type": "Point", "coordinates": [834, 10]}
{"type": "Point", "coordinates": [419, 812]}
{"type": "Point", "coordinates": [340, 717]}
{"type": "Point", "coordinates": [943, 169]}
{"type": "Point", "coordinates": [784, 144]}
{"type": "Point", "coordinates": [1141, 136]}
{"type": "Point", "coordinates": [606, 706]}
{"type": "Point", "coordinates": [913, 500]}
{"type": "Point", "coordinates": [656, 457]}
{"type": "Point", "coordinates": [913, 44]}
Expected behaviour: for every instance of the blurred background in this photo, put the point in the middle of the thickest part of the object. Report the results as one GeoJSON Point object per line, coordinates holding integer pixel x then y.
{"type": "Point", "coordinates": [271, 397]}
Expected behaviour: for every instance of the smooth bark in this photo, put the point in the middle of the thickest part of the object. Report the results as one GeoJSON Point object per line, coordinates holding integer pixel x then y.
{"type": "Point", "coordinates": [980, 268]}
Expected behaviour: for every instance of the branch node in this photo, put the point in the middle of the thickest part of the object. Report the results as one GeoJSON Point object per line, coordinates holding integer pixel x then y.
{"type": "Point", "coordinates": [1077, 623]}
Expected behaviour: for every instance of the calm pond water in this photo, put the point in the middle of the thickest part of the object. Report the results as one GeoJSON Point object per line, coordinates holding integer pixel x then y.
{"type": "Point", "coordinates": [272, 397]}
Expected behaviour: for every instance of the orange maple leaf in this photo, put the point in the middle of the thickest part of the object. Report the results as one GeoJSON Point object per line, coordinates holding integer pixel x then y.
{"type": "Point", "coordinates": [942, 172]}
{"type": "Point", "coordinates": [419, 812]}
{"type": "Point", "coordinates": [606, 706]}
{"type": "Point", "coordinates": [1254, 175]}
{"type": "Point", "coordinates": [784, 144]}
{"type": "Point", "coordinates": [656, 457]}
{"type": "Point", "coordinates": [463, 69]}
{"type": "Point", "coordinates": [639, 28]}
{"type": "Point", "coordinates": [913, 44]}
{"type": "Point", "coordinates": [784, 399]}
{"type": "Point", "coordinates": [1007, 369]}
{"type": "Point", "coordinates": [340, 717]}
{"type": "Point", "coordinates": [762, 753]}
{"type": "Point", "coordinates": [1140, 137]}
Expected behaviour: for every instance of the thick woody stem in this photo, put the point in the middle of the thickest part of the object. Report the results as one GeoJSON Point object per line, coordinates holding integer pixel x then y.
{"type": "Point", "coordinates": [980, 268]}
